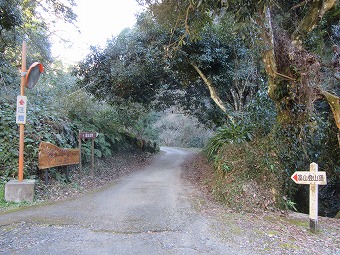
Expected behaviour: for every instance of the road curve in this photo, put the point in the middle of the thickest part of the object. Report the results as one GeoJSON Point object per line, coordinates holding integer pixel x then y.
{"type": "Point", "coordinates": [151, 211]}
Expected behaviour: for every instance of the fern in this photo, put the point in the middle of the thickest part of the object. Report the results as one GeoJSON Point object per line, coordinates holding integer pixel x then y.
{"type": "Point", "coordinates": [228, 134]}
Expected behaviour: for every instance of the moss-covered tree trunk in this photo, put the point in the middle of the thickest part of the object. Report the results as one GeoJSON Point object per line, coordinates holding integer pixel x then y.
{"type": "Point", "coordinates": [294, 85]}
{"type": "Point", "coordinates": [293, 73]}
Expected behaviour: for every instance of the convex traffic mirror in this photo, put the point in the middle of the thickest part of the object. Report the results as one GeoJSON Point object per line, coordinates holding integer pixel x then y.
{"type": "Point", "coordinates": [33, 74]}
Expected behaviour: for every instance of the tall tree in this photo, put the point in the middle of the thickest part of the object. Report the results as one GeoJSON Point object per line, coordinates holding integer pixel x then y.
{"type": "Point", "coordinates": [22, 20]}
{"type": "Point", "coordinates": [282, 28]}
{"type": "Point", "coordinates": [216, 73]}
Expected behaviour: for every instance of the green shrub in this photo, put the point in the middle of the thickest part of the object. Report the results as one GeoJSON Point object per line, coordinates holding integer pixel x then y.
{"type": "Point", "coordinates": [228, 134]}
{"type": "Point", "coordinates": [56, 113]}
{"type": "Point", "coordinates": [261, 113]}
{"type": "Point", "coordinates": [42, 125]}
{"type": "Point", "coordinates": [247, 176]}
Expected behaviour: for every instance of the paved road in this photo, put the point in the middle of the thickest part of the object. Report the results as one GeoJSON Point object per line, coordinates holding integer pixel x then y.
{"type": "Point", "coordinates": [148, 212]}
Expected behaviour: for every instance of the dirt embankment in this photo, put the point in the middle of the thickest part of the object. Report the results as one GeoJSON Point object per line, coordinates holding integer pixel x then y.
{"type": "Point", "coordinates": [276, 231]}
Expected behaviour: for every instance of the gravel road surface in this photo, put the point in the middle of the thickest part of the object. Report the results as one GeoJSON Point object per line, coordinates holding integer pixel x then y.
{"type": "Point", "coordinates": [153, 211]}
{"type": "Point", "coordinates": [148, 212]}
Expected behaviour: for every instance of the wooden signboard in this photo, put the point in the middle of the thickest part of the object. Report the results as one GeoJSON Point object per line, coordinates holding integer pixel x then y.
{"type": "Point", "coordinates": [51, 155]}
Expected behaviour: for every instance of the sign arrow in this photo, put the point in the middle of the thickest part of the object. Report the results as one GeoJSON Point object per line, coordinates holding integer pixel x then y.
{"type": "Point", "coordinates": [21, 102]}
{"type": "Point", "coordinates": [295, 177]}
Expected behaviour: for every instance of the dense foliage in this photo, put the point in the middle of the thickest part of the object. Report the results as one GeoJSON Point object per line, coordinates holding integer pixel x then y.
{"type": "Point", "coordinates": [57, 111]}
{"type": "Point", "coordinates": [138, 65]}
{"type": "Point", "coordinates": [22, 20]}
{"type": "Point", "coordinates": [43, 125]}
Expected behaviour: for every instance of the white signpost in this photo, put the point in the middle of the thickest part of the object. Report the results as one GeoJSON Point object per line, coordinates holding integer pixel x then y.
{"type": "Point", "coordinates": [313, 178]}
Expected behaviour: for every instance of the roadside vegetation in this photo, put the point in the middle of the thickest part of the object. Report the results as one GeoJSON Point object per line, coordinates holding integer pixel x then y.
{"type": "Point", "coordinates": [254, 84]}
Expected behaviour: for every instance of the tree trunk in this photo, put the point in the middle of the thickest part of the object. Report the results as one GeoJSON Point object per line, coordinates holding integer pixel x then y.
{"type": "Point", "coordinates": [293, 72]}
{"type": "Point", "coordinates": [310, 21]}
{"type": "Point", "coordinates": [278, 84]}
{"type": "Point", "coordinates": [269, 54]}
{"type": "Point", "coordinates": [334, 103]}
{"type": "Point", "coordinates": [213, 93]}
{"type": "Point", "coordinates": [295, 90]}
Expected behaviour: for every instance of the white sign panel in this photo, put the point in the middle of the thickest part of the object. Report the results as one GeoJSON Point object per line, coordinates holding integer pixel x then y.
{"type": "Point", "coordinates": [21, 110]}
{"type": "Point", "coordinates": [309, 177]}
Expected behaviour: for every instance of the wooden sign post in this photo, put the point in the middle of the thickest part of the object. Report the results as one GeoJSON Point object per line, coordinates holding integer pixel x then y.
{"type": "Point", "coordinates": [313, 201]}
{"type": "Point", "coordinates": [313, 178]}
{"type": "Point", "coordinates": [92, 136]}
